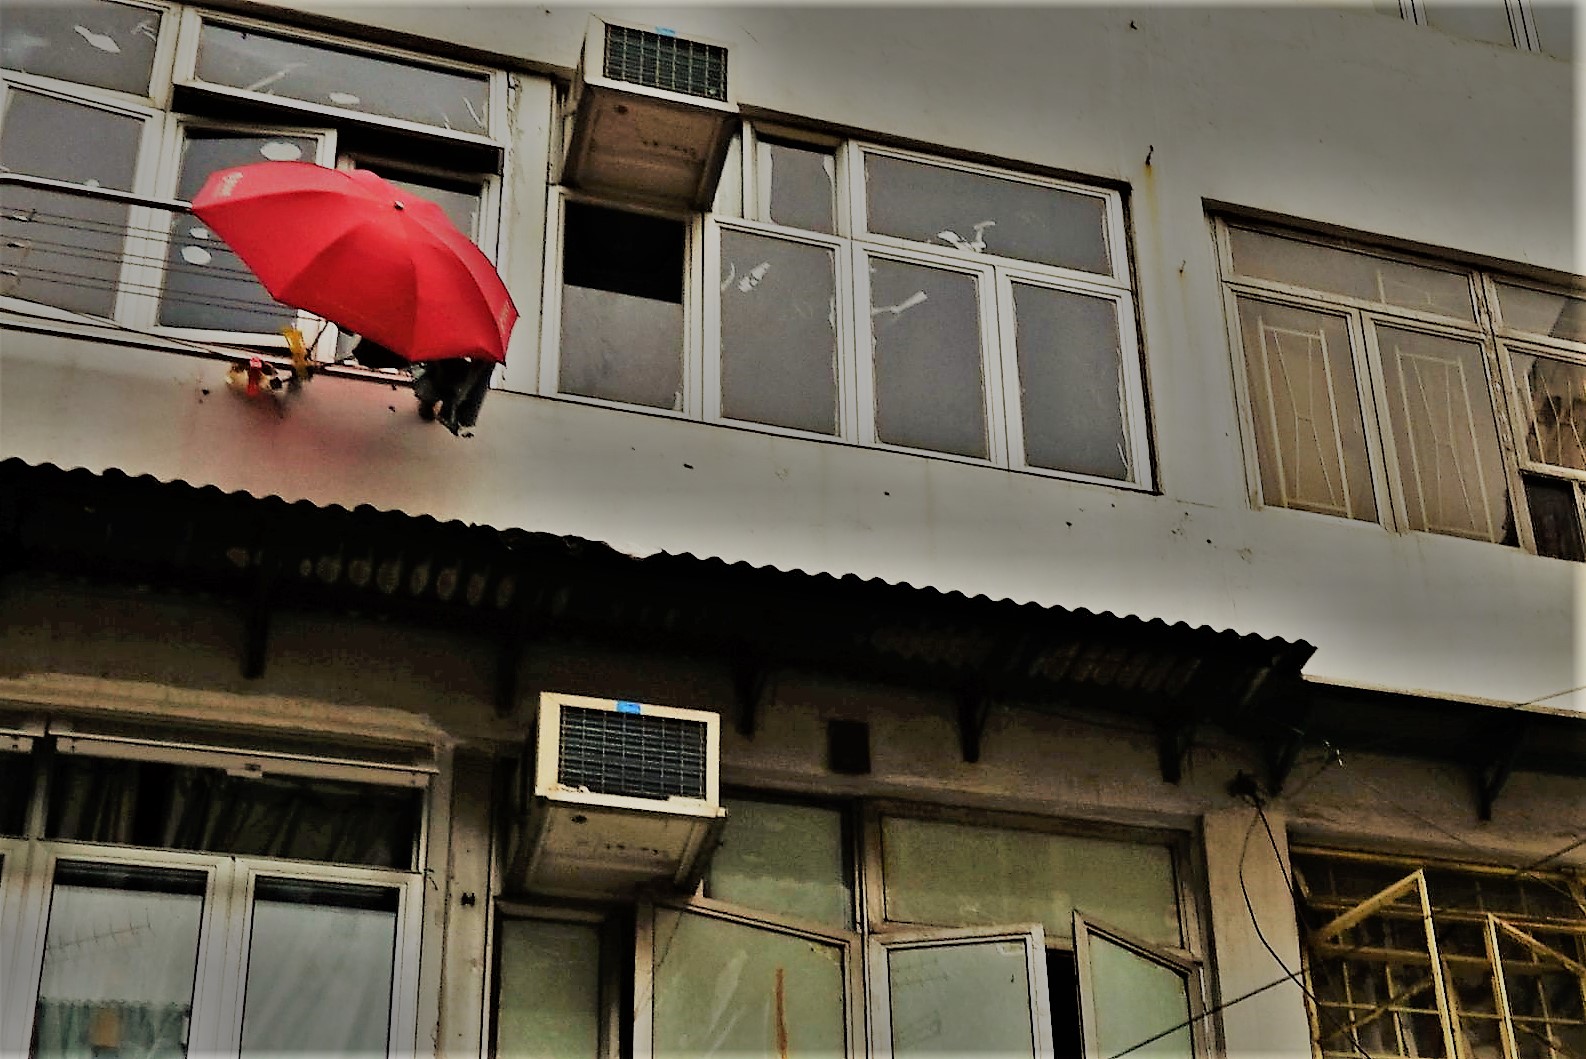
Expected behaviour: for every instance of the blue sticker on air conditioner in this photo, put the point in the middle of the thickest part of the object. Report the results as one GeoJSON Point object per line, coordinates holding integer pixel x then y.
{"type": "Point", "coordinates": [629, 707]}
{"type": "Point", "coordinates": [663, 31]}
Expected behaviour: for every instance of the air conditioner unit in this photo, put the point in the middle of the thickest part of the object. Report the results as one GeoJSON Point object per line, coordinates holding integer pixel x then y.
{"type": "Point", "coordinates": [650, 116]}
{"type": "Point", "coordinates": [625, 796]}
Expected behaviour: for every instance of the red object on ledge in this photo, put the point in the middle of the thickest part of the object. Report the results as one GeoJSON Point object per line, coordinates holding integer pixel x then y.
{"type": "Point", "coordinates": [363, 254]}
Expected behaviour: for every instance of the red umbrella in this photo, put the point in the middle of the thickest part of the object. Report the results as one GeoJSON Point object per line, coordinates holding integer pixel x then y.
{"type": "Point", "coordinates": [364, 255]}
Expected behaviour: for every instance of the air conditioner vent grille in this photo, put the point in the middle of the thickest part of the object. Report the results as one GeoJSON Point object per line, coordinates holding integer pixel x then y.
{"type": "Point", "coordinates": [654, 60]}
{"type": "Point", "coordinates": [633, 754]}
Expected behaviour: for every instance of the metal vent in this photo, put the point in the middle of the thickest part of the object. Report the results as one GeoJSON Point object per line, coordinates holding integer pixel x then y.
{"type": "Point", "coordinates": [634, 754]}
{"type": "Point", "coordinates": [656, 60]}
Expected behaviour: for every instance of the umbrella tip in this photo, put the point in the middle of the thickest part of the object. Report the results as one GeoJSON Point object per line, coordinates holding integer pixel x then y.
{"type": "Point", "coordinates": [398, 204]}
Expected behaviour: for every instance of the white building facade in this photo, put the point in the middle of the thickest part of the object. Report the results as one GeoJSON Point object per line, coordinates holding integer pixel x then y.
{"type": "Point", "coordinates": [1117, 474]}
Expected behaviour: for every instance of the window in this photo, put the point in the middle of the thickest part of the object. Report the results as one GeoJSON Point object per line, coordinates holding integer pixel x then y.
{"type": "Point", "coordinates": [862, 294]}
{"type": "Point", "coordinates": [114, 112]}
{"type": "Point", "coordinates": [550, 988]}
{"type": "Point", "coordinates": [1547, 26]}
{"type": "Point", "coordinates": [173, 898]}
{"type": "Point", "coordinates": [964, 933]}
{"type": "Point", "coordinates": [1409, 958]}
{"type": "Point", "coordinates": [1414, 393]}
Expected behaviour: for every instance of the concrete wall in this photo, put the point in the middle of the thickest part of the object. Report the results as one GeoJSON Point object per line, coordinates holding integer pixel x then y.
{"type": "Point", "coordinates": [1333, 116]}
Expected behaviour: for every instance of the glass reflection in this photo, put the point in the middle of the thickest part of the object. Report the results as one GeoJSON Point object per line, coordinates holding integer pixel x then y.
{"type": "Point", "coordinates": [120, 956]}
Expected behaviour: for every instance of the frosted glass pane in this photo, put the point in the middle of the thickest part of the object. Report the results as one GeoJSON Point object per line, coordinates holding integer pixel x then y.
{"type": "Point", "coordinates": [986, 214]}
{"type": "Point", "coordinates": [548, 1004]}
{"type": "Point", "coordinates": [1136, 999]}
{"type": "Point", "coordinates": [961, 1000]}
{"type": "Point", "coordinates": [120, 956]}
{"type": "Point", "coordinates": [622, 347]}
{"type": "Point", "coordinates": [925, 332]}
{"type": "Point", "coordinates": [1310, 434]}
{"type": "Point", "coordinates": [948, 874]}
{"type": "Point", "coordinates": [1543, 313]}
{"type": "Point", "coordinates": [778, 332]}
{"type": "Point", "coordinates": [1356, 275]}
{"type": "Point", "coordinates": [730, 990]}
{"type": "Point", "coordinates": [87, 41]}
{"type": "Point", "coordinates": [49, 137]}
{"type": "Point", "coordinates": [798, 186]}
{"type": "Point", "coordinates": [1445, 436]}
{"type": "Point", "coordinates": [365, 84]}
{"type": "Point", "coordinates": [320, 960]}
{"type": "Point", "coordinates": [1071, 382]}
{"type": "Point", "coordinates": [786, 859]}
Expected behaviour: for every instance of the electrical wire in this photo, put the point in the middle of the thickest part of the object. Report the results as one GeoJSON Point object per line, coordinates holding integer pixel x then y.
{"type": "Point", "coordinates": [1295, 976]}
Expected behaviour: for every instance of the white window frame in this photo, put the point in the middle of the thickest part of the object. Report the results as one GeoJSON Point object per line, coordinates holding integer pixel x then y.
{"type": "Point", "coordinates": [991, 377]}
{"type": "Point", "coordinates": [999, 355]}
{"type": "Point", "coordinates": [221, 959]}
{"type": "Point", "coordinates": [1030, 936]}
{"type": "Point", "coordinates": [1136, 423]}
{"type": "Point", "coordinates": [141, 282]}
{"type": "Point", "coordinates": [1186, 966]}
{"type": "Point", "coordinates": [145, 171]}
{"type": "Point", "coordinates": [1511, 340]}
{"type": "Point", "coordinates": [847, 380]}
{"type": "Point", "coordinates": [1117, 250]}
{"type": "Point", "coordinates": [845, 942]}
{"type": "Point", "coordinates": [186, 64]}
{"type": "Point", "coordinates": [28, 872]}
{"type": "Point", "coordinates": [1363, 319]}
{"type": "Point", "coordinates": [159, 87]}
{"type": "Point", "coordinates": [692, 384]}
{"type": "Point", "coordinates": [740, 208]}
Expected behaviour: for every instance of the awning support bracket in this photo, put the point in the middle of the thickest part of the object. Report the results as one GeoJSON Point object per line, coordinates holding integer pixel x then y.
{"type": "Point", "coordinates": [256, 617]}
{"type": "Point", "coordinates": [1173, 744]}
{"type": "Point", "coordinates": [974, 706]}
{"type": "Point", "coordinates": [514, 641]}
{"type": "Point", "coordinates": [1493, 774]}
{"type": "Point", "coordinates": [751, 676]}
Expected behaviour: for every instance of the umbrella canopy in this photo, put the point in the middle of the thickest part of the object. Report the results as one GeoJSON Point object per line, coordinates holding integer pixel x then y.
{"type": "Point", "coordinates": [364, 255]}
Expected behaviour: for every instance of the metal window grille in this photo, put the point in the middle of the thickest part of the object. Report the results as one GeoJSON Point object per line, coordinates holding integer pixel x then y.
{"type": "Point", "coordinates": [655, 60]}
{"type": "Point", "coordinates": [638, 755]}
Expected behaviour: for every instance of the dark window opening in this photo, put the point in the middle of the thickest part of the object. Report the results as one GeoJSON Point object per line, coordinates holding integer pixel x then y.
{"type": "Point", "coordinates": [16, 784]}
{"type": "Point", "coordinates": [624, 253]}
{"type": "Point", "coordinates": [1555, 519]}
{"type": "Point", "coordinates": [1062, 986]}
